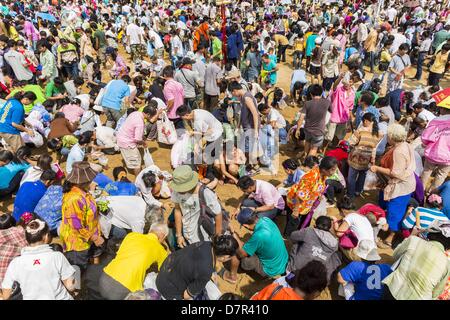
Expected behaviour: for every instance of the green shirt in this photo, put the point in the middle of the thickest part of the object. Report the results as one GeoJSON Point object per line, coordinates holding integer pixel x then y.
{"type": "Point", "coordinates": [440, 37]}
{"type": "Point", "coordinates": [268, 245]}
{"type": "Point", "coordinates": [420, 272]}
{"type": "Point", "coordinates": [51, 90]}
{"type": "Point", "coordinates": [217, 47]}
{"type": "Point", "coordinates": [358, 96]}
{"type": "Point", "coordinates": [37, 90]}
{"type": "Point", "coordinates": [100, 36]}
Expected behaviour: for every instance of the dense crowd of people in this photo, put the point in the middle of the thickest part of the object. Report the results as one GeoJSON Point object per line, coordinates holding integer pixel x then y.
{"type": "Point", "coordinates": [86, 82]}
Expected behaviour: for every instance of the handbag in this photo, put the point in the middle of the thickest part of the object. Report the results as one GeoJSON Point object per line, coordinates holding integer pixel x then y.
{"type": "Point", "coordinates": [196, 87]}
{"type": "Point", "coordinates": [348, 240]}
{"type": "Point", "coordinates": [360, 157]}
{"type": "Point", "coordinates": [166, 130]}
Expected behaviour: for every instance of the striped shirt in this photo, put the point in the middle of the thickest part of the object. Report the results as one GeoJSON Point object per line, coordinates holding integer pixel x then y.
{"type": "Point", "coordinates": [427, 216]}
{"type": "Point", "coordinates": [421, 270]}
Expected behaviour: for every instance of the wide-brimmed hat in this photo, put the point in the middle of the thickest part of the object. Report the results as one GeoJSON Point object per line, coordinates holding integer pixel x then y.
{"type": "Point", "coordinates": [233, 74]}
{"type": "Point", "coordinates": [367, 250]}
{"type": "Point", "coordinates": [184, 179]}
{"type": "Point", "coordinates": [81, 173]}
{"type": "Point", "coordinates": [98, 108]}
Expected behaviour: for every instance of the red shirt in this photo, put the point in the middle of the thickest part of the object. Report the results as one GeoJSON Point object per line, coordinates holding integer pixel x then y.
{"type": "Point", "coordinates": [376, 210]}
{"type": "Point", "coordinates": [337, 153]}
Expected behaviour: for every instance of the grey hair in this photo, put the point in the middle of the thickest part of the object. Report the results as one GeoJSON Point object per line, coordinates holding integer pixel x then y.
{"type": "Point", "coordinates": [397, 133]}
{"type": "Point", "coordinates": [159, 227]}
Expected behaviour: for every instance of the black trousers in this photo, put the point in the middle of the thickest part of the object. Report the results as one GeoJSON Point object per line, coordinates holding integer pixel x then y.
{"type": "Point", "coordinates": [333, 188]}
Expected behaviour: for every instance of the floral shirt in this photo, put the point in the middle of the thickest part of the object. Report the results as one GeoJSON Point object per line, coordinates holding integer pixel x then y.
{"type": "Point", "coordinates": [305, 193]}
{"type": "Point", "coordinates": [49, 207]}
{"type": "Point", "coordinates": [80, 220]}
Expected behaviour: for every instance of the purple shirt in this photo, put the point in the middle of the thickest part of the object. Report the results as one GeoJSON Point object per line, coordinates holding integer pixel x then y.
{"type": "Point", "coordinates": [131, 131]}
{"type": "Point", "coordinates": [267, 194]}
{"type": "Point", "coordinates": [173, 90]}
{"type": "Point", "coordinates": [30, 30]}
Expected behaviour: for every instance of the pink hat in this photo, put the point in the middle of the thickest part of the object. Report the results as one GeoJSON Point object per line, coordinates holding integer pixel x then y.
{"type": "Point", "coordinates": [435, 198]}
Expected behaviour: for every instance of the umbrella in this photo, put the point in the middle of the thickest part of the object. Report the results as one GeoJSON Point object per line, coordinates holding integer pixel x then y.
{"type": "Point", "coordinates": [442, 98]}
{"type": "Point", "coordinates": [412, 4]}
{"type": "Point", "coordinates": [46, 16]}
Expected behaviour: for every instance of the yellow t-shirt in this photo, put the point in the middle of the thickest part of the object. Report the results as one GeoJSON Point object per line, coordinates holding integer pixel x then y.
{"type": "Point", "coordinates": [298, 44]}
{"type": "Point", "coordinates": [439, 63]}
{"type": "Point", "coordinates": [136, 254]}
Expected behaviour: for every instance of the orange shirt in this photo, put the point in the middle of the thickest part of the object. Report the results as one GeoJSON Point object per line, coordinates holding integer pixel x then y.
{"type": "Point", "coordinates": [281, 294]}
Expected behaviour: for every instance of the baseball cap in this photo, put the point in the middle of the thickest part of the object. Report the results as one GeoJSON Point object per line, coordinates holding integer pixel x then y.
{"type": "Point", "coordinates": [244, 215]}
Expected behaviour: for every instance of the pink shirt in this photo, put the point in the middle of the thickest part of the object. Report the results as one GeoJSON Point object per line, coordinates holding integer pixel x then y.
{"type": "Point", "coordinates": [72, 112]}
{"type": "Point", "coordinates": [267, 194]}
{"type": "Point", "coordinates": [31, 30]}
{"type": "Point", "coordinates": [173, 90]}
{"type": "Point", "coordinates": [341, 103]}
{"type": "Point", "coordinates": [131, 131]}
{"type": "Point", "coordinates": [436, 139]}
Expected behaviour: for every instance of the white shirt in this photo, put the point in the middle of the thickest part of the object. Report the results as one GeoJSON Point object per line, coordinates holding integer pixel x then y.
{"type": "Point", "coordinates": [85, 100]}
{"type": "Point", "coordinates": [147, 192]}
{"type": "Point", "coordinates": [135, 32]}
{"type": "Point", "coordinates": [126, 8]}
{"type": "Point", "coordinates": [207, 124]}
{"type": "Point", "coordinates": [425, 45]}
{"type": "Point", "coordinates": [360, 226]}
{"type": "Point", "coordinates": [391, 13]}
{"type": "Point", "coordinates": [40, 271]}
{"type": "Point", "coordinates": [176, 43]}
{"type": "Point", "coordinates": [127, 212]}
{"type": "Point", "coordinates": [399, 39]}
{"type": "Point", "coordinates": [105, 136]}
{"type": "Point", "coordinates": [426, 115]}
{"type": "Point", "coordinates": [275, 115]}
{"type": "Point", "coordinates": [31, 175]}
{"type": "Point", "coordinates": [157, 42]}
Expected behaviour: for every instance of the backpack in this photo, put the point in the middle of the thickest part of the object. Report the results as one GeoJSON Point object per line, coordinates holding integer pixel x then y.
{"type": "Point", "coordinates": [206, 219]}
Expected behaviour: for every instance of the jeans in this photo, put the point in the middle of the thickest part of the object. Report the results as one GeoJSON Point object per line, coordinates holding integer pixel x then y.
{"type": "Point", "coordinates": [434, 78]}
{"type": "Point", "coordinates": [71, 69]}
{"type": "Point", "coordinates": [420, 60]}
{"type": "Point", "coordinates": [395, 102]}
{"type": "Point", "coordinates": [297, 58]}
{"type": "Point", "coordinates": [250, 203]}
{"type": "Point", "coordinates": [281, 53]}
{"type": "Point", "coordinates": [371, 57]}
{"type": "Point", "coordinates": [355, 181]}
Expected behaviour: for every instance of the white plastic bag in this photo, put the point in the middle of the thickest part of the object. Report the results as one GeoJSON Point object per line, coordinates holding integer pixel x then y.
{"type": "Point", "coordinates": [166, 130]}
{"type": "Point", "coordinates": [371, 181]}
{"type": "Point", "coordinates": [148, 159]}
{"type": "Point", "coordinates": [180, 151]}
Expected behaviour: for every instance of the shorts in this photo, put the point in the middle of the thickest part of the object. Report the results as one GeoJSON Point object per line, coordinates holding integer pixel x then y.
{"type": "Point", "coordinates": [315, 141]}
{"type": "Point", "coordinates": [253, 264]}
{"type": "Point", "coordinates": [113, 115]}
{"type": "Point", "coordinates": [132, 157]}
{"type": "Point", "coordinates": [336, 129]}
{"type": "Point", "coordinates": [14, 141]}
{"type": "Point", "coordinates": [101, 54]}
{"type": "Point", "coordinates": [315, 71]}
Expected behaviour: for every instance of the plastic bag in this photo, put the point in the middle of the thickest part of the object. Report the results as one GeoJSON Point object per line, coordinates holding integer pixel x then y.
{"type": "Point", "coordinates": [150, 50]}
{"type": "Point", "coordinates": [371, 181]}
{"type": "Point", "coordinates": [166, 130]}
{"type": "Point", "coordinates": [180, 151]}
{"type": "Point", "coordinates": [148, 159]}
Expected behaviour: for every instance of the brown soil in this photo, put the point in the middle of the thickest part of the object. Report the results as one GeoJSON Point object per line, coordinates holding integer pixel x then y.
{"type": "Point", "coordinates": [247, 285]}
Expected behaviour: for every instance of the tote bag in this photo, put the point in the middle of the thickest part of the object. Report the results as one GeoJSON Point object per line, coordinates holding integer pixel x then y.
{"type": "Point", "coordinates": [166, 130]}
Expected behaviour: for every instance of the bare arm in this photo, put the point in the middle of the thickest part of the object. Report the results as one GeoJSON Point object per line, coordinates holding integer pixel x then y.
{"type": "Point", "coordinates": [178, 227]}
{"type": "Point", "coordinates": [218, 222]}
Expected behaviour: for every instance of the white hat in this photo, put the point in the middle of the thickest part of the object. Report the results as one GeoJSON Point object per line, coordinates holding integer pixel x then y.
{"type": "Point", "coordinates": [98, 108]}
{"type": "Point", "coordinates": [367, 250]}
{"type": "Point", "coordinates": [318, 40]}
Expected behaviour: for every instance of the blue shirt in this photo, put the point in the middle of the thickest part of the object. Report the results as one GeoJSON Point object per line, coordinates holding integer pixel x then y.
{"type": "Point", "coordinates": [267, 244]}
{"type": "Point", "coordinates": [8, 172]}
{"type": "Point", "coordinates": [102, 180]}
{"type": "Point", "coordinates": [269, 67]}
{"type": "Point", "coordinates": [310, 44]}
{"type": "Point", "coordinates": [49, 207]}
{"type": "Point", "coordinates": [444, 191]}
{"type": "Point", "coordinates": [349, 52]}
{"type": "Point", "coordinates": [12, 111]}
{"type": "Point", "coordinates": [366, 278]}
{"type": "Point", "coordinates": [427, 216]}
{"type": "Point", "coordinates": [360, 113]}
{"type": "Point", "coordinates": [28, 197]}
{"type": "Point", "coordinates": [119, 188]}
{"type": "Point", "coordinates": [298, 76]}
{"type": "Point", "coordinates": [115, 92]}
{"type": "Point", "coordinates": [232, 46]}
{"type": "Point", "coordinates": [294, 178]}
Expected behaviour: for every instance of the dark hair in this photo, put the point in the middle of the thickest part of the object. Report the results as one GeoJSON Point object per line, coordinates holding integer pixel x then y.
{"type": "Point", "coordinates": [67, 186]}
{"type": "Point", "coordinates": [370, 117]}
{"type": "Point", "coordinates": [439, 237]}
{"type": "Point", "coordinates": [311, 161]}
{"type": "Point", "coordinates": [149, 179]}
{"type": "Point", "coordinates": [126, 78]}
{"type": "Point", "coordinates": [48, 175]}
{"type": "Point", "coordinates": [116, 172]}
{"type": "Point", "coordinates": [183, 110]}
{"type": "Point", "coordinates": [310, 279]}
{"type": "Point", "coordinates": [230, 296]}
{"type": "Point", "coordinates": [22, 95]}
{"type": "Point", "coordinates": [54, 144]}
{"type": "Point", "coordinates": [56, 247]}
{"type": "Point", "coordinates": [225, 245]}
{"type": "Point", "coordinates": [150, 109]}
{"type": "Point", "coordinates": [262, 107]}
{"type": "Point", "coordinates": [245, 182]}
{"type": "Point", "coordinates": [383, 101]}
{"type": "Point", "coordinates": [291, 164]}
{"type": "Point", "coordinates": [85, 138]}
{"type": "Point", "coordinates": [418, 105]}
{"type": "Point", "coordinates": [44, 162]}
{"type": "Point", "coordinates": [38, 236]}
{"type": "Point", "coordinates": [7, 221]}
{"type": "Point", "coordinates": [367, 98]}
{"type": "Point", "coordinates": [404, 47]}
{"type": "Point", "coordinates": [234, 86]}
{"type": "Point", "coordinates": [78, 81]}
{"type": "Point", "coordinates": [346, 204]}
{"type": "Point", "coordinates": [323, 223]}
{"type": "Point", "coordinates": [58, 81]}
{"type": "Point", "coordinates": [316, 90]}
{"type": "Point", "coordinates": [6, 156]}
{"type": "Point", "coordinates": [22, 154]}
{"type": "Point", "coordinates": [328, 163]}
{"type": "Point", "coordinates": [168, 72]}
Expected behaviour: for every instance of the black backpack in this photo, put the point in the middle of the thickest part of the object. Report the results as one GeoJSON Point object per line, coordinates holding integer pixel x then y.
{"type": "Point", "coordinates": [206, 219]}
